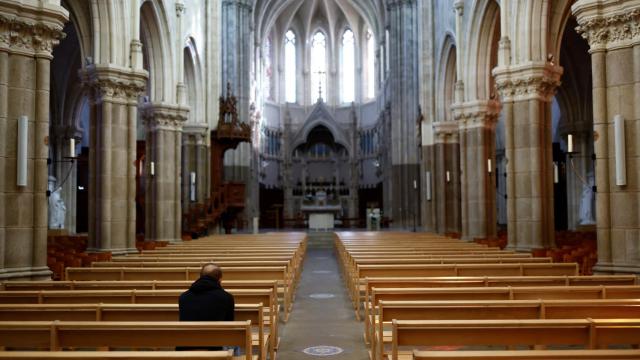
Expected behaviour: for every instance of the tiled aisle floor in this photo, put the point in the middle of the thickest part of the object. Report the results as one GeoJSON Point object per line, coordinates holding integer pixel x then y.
{"type": "Point", "coordinates": [321, 321]}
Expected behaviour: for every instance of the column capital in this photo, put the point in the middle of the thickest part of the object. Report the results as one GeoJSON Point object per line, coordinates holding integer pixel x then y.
{"type": "Point", "coordinates": [31, 29]}
{"type": "Point", "coordinates": [180, 9]}
{"type": "Point", "coordinates": [113, 83]}
{"type": "Point", "coordinates": [459, 6]}
{"type": "Point", "coordinates": [160, 116]}
{"type": "Point", "coordinates": [608, 24]}
{"type": "Point", "coordinates": [477, 114]}
{"type": "Point", "coordinates": [195, 129]}
{"type": "Point", "coordinates": [446, 132]}
{"type": "Point", "coordinates": [533, 80]}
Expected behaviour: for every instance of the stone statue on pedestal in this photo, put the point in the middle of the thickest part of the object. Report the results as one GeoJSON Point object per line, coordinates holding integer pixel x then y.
{"type": "Point", "coordinates": [57, 209]}
{"type": "Point", "coordinates": [587, 216]}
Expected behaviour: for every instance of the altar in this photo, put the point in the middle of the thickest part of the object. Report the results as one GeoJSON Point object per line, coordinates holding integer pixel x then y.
{"type": "Point", "coordinates": [320, 213]}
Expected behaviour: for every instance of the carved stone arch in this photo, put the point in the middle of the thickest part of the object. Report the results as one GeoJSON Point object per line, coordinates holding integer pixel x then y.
{"type": "Point", "coordinates": [82, 16]}
{"type": "Point", "coordinates": [194, 81]}
{"type": "Point", "coordinates": [482, 56]}
{"type": "Point", "coordinates": [446, 79]}
{"type": "Point", "coordinates": [156, 49]}
{"type": "Point", "coordinates": [320, 116]}
{"type": "Point", "coordinates": [559, 17]}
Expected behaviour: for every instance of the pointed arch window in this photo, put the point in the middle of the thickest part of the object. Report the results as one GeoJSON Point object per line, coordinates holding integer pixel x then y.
{"type": "Point", "coordinates": [371, 65]}
{"type": "Point", "coordinates": [290, 66]}
{"type": "Point", "coordinates": [348, 66]}
{"type": "Point", "coordinates": [318, 65]}
{"type": "Point", "coordinates": [268, 70]}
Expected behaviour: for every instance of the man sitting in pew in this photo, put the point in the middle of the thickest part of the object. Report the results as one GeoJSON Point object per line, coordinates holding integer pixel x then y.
{"type": "Point", "coordinates": [206, 300]}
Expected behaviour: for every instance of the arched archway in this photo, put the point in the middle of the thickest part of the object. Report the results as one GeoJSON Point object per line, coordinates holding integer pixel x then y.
{"type": "Point", "coordinates": [69, 119]}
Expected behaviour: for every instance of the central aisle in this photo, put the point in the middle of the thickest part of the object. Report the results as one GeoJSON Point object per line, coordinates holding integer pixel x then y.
{"type": "Point", "coordinates": [318, 321]}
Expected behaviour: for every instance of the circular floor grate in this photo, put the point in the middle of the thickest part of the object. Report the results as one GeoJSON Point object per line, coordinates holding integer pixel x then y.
{"type": "Point", "coordinates": [322, 296]}
{"type": "Point", "coordinates": [323, 350]}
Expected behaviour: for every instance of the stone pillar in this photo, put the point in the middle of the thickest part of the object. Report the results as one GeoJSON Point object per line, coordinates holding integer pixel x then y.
{"type": "Point", "coordinates": [28, 32]}
{"type": "Point", "coordinates": [446, 190]}
{"type": "Point", "coordinates": [404, 111]}
{"type": "Point", "coordinates": [613, 32]}
{"type": "Point", "coordinates": [112, 173]}
{"type": "Point", "coordinates": [236, 71]}
{"type": "Point", "coordinates": [194, 159]}
{"type": "Point", "coordinates": [163, 203]}
{"type": "Point", "coordinates": [477, 121]}
{"type": "Point", "coordinates": [526, 92]}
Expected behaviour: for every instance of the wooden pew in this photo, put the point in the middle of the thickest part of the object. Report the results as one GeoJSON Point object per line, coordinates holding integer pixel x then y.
{"type": "Point", "coordinates": [495, 293]}
{"type": "Point", "coordinates": [58, 335]}
{"type": "Point", "coordinates": [622, 354]}
{"type": "Point", "coordinates": [494, 310]}
{"type": "Point", "coordinates": [356, 284]}
{"type": "Point", "coordinates": [116, 355]}
{"type": "Point", "coordinates": [277, 273]}
{"type": "Point", "coordinates": [241, 296]}
{"type": "Point", "coordinates": [123, 285]}
{"type": "Point", "coordinates": [134, 312]}
{"type": "Point", "coordinates": [490, 281]}
{"type": "Point", "coordinates": [589, 333]}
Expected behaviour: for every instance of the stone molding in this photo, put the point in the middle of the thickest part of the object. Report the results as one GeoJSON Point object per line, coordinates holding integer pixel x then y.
{"type": "Point", "coordinates": [114, 84]}
{"type": "Point", "coordinates": [31, 28]}
{"type": "Point", "coordinates": [164, 117]}
{"type": "Point", "coordinates": [446, 132]}
{"type": "Point", "coordinates": [535, 80]}
{"type": "Point", "coordinates": [608, 24]}
{"type": "Point", "coordinates": [477, 114]}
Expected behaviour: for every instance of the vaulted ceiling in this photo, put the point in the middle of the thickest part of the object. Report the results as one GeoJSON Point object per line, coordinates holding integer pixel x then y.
{"type": "Point", "coordinates": [305, 16]}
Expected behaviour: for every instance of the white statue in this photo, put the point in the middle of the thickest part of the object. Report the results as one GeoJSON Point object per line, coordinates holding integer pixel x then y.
{"type": "Point", "coordinates": [57, 209]}
{"type": "Point", "coordinates": [587, 201]}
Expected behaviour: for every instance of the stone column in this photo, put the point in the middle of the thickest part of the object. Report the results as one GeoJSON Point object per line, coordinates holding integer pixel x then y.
{"type": "Point", "coordinates": [446, 192]}
{"type": "Point", "coordinates": [236, 69]}
{"type": "Point", "coordinates": [404, 111]}
{"type": "Point", "coordinates": [163, 203]}
{"type": "Point", "coordinates": [526, 92]}
{"type": "Point", "coordinates": [477, 122]}
{"type": "Point", "coordinates": [112, 210]}
{"type": "Point", "coordinates": [28, 32]}
{"type": "Point", "coordinates": [613, 32]}
{"type": "Point", "coordinates": [194, 154]}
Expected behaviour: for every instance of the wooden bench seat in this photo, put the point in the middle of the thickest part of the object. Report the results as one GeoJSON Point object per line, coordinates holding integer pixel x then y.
{"type": "Point", "coordinates": [622, 354]}
{"type": "Point", "coordinates": [274, 273]}
{"type": "Point", "coordinates": [58, 335]}
{"type": "Point", "coordinates": [495, 293]}
{"type": "Point", "coordinates": [241, 296]}
{"type": "Point", "coordinates": [117, 355]}
{"type": "Point", "coordinates": [493, 310]}
{"type": "Point", "coordinates": [355, 282]}
{"type": "Point", "coordinates": [135, 312]}
{"type": "Point", "coordinates": [588, 333]}
{"type": "Point", "coordinates": [488, 281]}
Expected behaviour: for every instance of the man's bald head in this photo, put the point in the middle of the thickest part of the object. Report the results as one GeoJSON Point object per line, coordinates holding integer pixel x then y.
{"type": "Point", "coordinates": [211, 270]}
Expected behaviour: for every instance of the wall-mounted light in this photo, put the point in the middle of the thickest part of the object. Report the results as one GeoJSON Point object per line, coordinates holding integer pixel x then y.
{"type": "Point", "coordinates": [72, 148]}
{"type": "Point", "coordinates": [556, 173]}
{"type": "Point", "coordinates": [428, 185]}
{"type": "Point", "coordinates": [415, 185]}
{"type": "Point", "coordinates": [448, 176]}
{"type": "Point", "coordinates": [192, 188]}
{"type": "Point", "coordinates": [489, 166]}
{"type": "Point", "coordinates": [570, 144]}
{"type": "Point", "coordinates": [22, 151]}
{"type": "Point", "coordinates": [152, 169]}
{"type": "Point", "coordinates": [621, 156]}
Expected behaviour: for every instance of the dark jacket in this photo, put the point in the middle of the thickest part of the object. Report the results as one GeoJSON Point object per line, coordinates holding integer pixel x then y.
{"type": "Point", "coordinates": [206, 300]}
